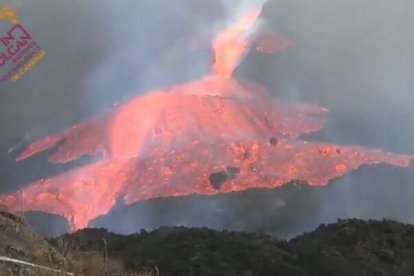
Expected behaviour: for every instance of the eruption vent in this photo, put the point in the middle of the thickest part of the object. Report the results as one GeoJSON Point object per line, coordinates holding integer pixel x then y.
{"type": "Point", "coordinates": [232, 44]}
{"type": "Point", "coordinates": [215, 135]}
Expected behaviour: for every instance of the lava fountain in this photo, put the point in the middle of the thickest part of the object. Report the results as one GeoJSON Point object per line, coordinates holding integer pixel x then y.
{"type": "Point", "coordinates": [214, 135]}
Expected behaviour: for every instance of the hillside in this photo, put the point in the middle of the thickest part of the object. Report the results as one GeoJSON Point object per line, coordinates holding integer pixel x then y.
{"type": "Point", "coordinates": [348, 247]}
{"type": "Point", "coordinates": [17, 241]}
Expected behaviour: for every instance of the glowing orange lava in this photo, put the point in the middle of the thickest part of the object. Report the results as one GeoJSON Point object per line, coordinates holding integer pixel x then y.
{"type": "Point", "coordinates": [232, 44]}
{"type": "Point", "coordinates": [169, 143]}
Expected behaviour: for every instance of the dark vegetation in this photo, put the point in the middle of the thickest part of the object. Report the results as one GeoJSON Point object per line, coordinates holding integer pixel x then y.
{"type": "Point", "coordinates": [348, 247]}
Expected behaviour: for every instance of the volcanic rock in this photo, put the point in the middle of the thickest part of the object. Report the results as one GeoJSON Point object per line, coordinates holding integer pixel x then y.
{"type": "Point", "coordinates": [218, 179]}
{"type": "Point", "coordinates": [273, 141]}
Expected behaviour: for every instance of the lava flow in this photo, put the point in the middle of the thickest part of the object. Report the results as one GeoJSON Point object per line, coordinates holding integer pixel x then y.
{"type": "Point", "coordinates": [215, 135]}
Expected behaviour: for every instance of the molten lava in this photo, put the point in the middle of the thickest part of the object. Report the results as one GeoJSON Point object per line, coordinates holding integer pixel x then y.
{"type": "Point", "coordinates": [175, 142]}
{"type": "Point", "coordinates": [231, 45]}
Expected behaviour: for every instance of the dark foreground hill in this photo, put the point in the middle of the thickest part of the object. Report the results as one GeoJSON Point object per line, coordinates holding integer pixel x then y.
{"type": "Point", "coordinates": [17, 241]}
{"type": "Point", "coordinates": [348, 247]}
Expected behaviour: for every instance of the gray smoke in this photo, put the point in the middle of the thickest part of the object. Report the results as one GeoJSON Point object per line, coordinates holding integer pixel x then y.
{"type": "Point", "coordinates": [353, 57]}
{"type": "Point", "coordinates": [100, 53]}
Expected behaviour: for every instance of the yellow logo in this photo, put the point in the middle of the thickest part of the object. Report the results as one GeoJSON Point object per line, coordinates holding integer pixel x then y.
{"type": "Point", "coordinates": [9, 15]}
{"type": "Point", "coordinates": [19, 52]}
